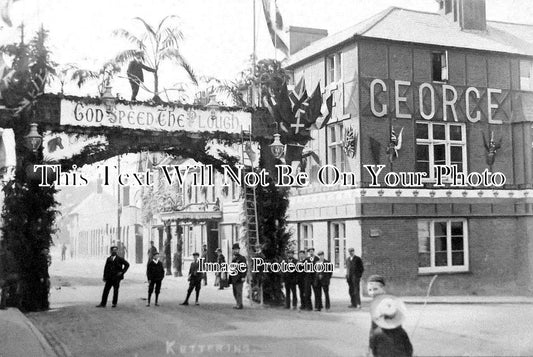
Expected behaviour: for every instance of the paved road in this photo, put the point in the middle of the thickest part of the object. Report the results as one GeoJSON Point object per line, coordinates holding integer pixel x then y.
{"type": "Point", "coordinates": [75, 327]}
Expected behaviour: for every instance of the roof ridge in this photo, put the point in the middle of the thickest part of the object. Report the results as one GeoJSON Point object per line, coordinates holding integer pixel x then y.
{"type": "Point", "coordinates": [413, 10]}
{"type": "Point", "coordinates": [510, 23]}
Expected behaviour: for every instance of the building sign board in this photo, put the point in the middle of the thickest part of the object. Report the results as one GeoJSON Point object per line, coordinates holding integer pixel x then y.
{"type": "Point", "coordinates": [435, 101]}
{"type": "Point", "coordinates": [156, 118]}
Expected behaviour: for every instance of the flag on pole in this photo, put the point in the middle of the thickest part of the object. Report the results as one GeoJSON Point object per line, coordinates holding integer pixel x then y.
{"type": "Point", "coordinates": [325, 109]}
{"type": "Point", "coordinates": [315, 103]}
{"type": "Point", "coordinates": [275, 25]}
{"type": "Point", "coordinates": [5, 11]}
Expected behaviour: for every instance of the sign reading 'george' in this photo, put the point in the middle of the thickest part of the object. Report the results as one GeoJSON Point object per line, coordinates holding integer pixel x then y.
{"type": "Point", "coordinates": [160, 118]}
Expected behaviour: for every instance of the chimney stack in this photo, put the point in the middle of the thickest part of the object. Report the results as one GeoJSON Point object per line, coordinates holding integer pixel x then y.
{"type": "Point", "coordinates": [468, 14]}
{"type": "Point", "coordinates": [301, 37]}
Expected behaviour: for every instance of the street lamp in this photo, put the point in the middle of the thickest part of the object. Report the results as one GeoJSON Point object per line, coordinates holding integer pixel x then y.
{"type": "Point", "coordinates": [213, 106]}
{"type": "Point", "coordinates": [33, 140]}
{"type": "Point", "coordinates": [277, 148]}
{"type": "Point", "coordinates": [108, 100]}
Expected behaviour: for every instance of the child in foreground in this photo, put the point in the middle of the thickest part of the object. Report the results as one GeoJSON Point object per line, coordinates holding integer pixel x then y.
{"type": "Point", "coordinates": [387, 337]}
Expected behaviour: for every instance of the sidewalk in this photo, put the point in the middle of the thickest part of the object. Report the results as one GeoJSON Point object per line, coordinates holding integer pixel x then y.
{"type": "Point", "coordinates": [20, 337]}
{"type": "Point", "coordinates": [92, 269]}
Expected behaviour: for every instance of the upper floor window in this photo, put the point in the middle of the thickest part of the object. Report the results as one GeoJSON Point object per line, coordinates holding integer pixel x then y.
{"type": "Point", "coordinates": [439, 66]}
{"type": "Point", "coordinates": [526, 75]}
{"type": "Point", "coordinates": [440, 144]}
{"type": "Point", "coordinates": [442, 246]}
{"type": "Point", "coordinates": [306, 236]}
{"type": "Point", "coordinates": [336, 155]}
{"type": "Point", "coordinates": [334, 68]}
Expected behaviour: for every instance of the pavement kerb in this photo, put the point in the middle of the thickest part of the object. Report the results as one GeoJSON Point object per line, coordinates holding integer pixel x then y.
{"type": "Point", "coordinates": [48, 350]}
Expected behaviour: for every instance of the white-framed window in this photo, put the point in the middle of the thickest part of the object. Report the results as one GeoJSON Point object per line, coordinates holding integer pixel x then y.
{"type": "Point", "coordinates": [337, 231]}
{"type": "Point", "coordinates": [336, 155]}
{"type": "Point", "coordinates": [333, 68]}
{"type": "Point", "coordinates": [439, 66]}
{"type": "Point", "coordinates": [526, 75]}
{"type": "Point", "coordinates": [190, 240]}
{"type": "Point", "coordinates": [306, 236]}
{"type": "Point", "coordinates": [442, 245]}
{"type": "Point", "coordinates": [440, 144]}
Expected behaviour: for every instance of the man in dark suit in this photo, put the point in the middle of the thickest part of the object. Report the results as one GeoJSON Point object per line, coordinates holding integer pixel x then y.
{"type": "Point", "coordinates": [301, 280]}
{"type": "Point", "coordinates": [135, 75]}
{"type": "Point", "coordinates": [114, 270]}
{"type": "Point", "coordinates": [195, 279]}
{"type": "Point", "coordinates": [310, 281]}
{"type": "Point", "coordinates": [290, 279]}
{"type": "Point", "coordinates": [354, 271]}
{"type": "Point", "coordinates": [155, 274]}
{"type": "Point", "coordinates": [322, 282]}
{"type": "Point", "coordinates": [237, 280]}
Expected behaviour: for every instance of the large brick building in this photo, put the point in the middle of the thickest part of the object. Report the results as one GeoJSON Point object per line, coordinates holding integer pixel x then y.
{"type": "Point", "coordinates": [453, 84]}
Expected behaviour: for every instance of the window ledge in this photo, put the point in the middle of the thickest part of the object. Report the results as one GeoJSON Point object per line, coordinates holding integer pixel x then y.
{"type": "Point", "coordinates": [448, 272]}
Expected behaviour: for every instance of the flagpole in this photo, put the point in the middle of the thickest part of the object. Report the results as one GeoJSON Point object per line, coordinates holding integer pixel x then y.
{"type": "Point", "coordinates": [275, 34]}
{"type": "Point", "coordinates": [254, 56]}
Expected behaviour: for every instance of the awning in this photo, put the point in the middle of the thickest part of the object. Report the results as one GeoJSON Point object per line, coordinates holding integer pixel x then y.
{"type": "Point", "coordinates": [192, 216]}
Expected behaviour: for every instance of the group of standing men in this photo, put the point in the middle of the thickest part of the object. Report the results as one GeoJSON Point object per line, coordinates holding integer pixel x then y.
{"type": "Point", "coordinates": [317, 283]}
{"type": "Point", "coordinates": [116, 267]}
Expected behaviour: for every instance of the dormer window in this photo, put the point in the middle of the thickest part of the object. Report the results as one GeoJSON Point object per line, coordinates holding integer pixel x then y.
{"type": "Point", "coordinates": [439, 66]}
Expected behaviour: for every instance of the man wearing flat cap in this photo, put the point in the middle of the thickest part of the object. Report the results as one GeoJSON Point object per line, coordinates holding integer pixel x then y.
{"type": "Point", "coordinates": [354, 272]}
{"type": "Point", "coordinates": [237, 280]}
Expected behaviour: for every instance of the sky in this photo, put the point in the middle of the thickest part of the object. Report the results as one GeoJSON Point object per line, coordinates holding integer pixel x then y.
{"type": "Point", "coordinates": [218, 33]}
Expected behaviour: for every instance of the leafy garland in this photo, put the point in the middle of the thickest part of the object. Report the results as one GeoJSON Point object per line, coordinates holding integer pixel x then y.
{"type": "Point", "coordinates": [29, 210]}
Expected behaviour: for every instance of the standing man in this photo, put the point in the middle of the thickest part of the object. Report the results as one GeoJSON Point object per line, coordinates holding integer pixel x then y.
{"type": "Point", "coordinates": [195, 279]}
{"type": "Point", "coordinates": [310, 281]}
{"type": "Point", "coordinates": [301, 281]}
{"type": "Point", "coordinates": [204, 257]}
{"type": "Point", "coordinates": [63, 251]}
{"type": "Point", "coordinates": [290, 280]}
{"type": "Point", "coordinates": [355, 269]}
{"type": "Point", "coordinates": [221, 277]}
{"type": "Point", "coordinates": [135, 74]}
{"type": "Point", "coordinates": [155, 274]}
{"type": "Point", "coordinates": [152, 251]}
{"type": "Point", "coordinates": [237, 280]}
{"type": "Point", "coordinates": [322, 282]}
{"type": "Point", "coordinates": [114, 270]}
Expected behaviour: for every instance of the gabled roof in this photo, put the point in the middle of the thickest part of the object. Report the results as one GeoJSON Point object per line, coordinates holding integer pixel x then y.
{"type": "Point", "coordinates": [100, 201]}
{"type": "Point", "coordinates": [405, 25]}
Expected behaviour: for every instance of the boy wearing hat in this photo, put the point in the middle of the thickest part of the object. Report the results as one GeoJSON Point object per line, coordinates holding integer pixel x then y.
{"type": "Point", "coordinates": [237, 281]}
{"type": "Point", "coordinates": [155, 274]}
{"type": "Point", "coordinates": [195, 279]}
{"type": "Point", "coordinates": [387, 337]}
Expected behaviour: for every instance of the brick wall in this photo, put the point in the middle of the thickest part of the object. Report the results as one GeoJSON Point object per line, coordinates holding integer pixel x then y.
{"type": "Point", "coordinates": [391, 62]}
{"type": "Point", "coordinates": [499, 256]}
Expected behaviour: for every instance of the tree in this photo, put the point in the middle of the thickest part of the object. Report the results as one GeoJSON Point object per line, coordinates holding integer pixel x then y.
{"type": "Point", "coordinates": [104, 75]}
{"type": "Point", "coordinates": [156, 45]}
{"type": "Point", "coordinates": [29, 210]}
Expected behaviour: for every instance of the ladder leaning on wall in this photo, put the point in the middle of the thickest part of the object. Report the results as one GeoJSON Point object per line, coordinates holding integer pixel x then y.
{"type": "Point", "coordinates": [251, 221]}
